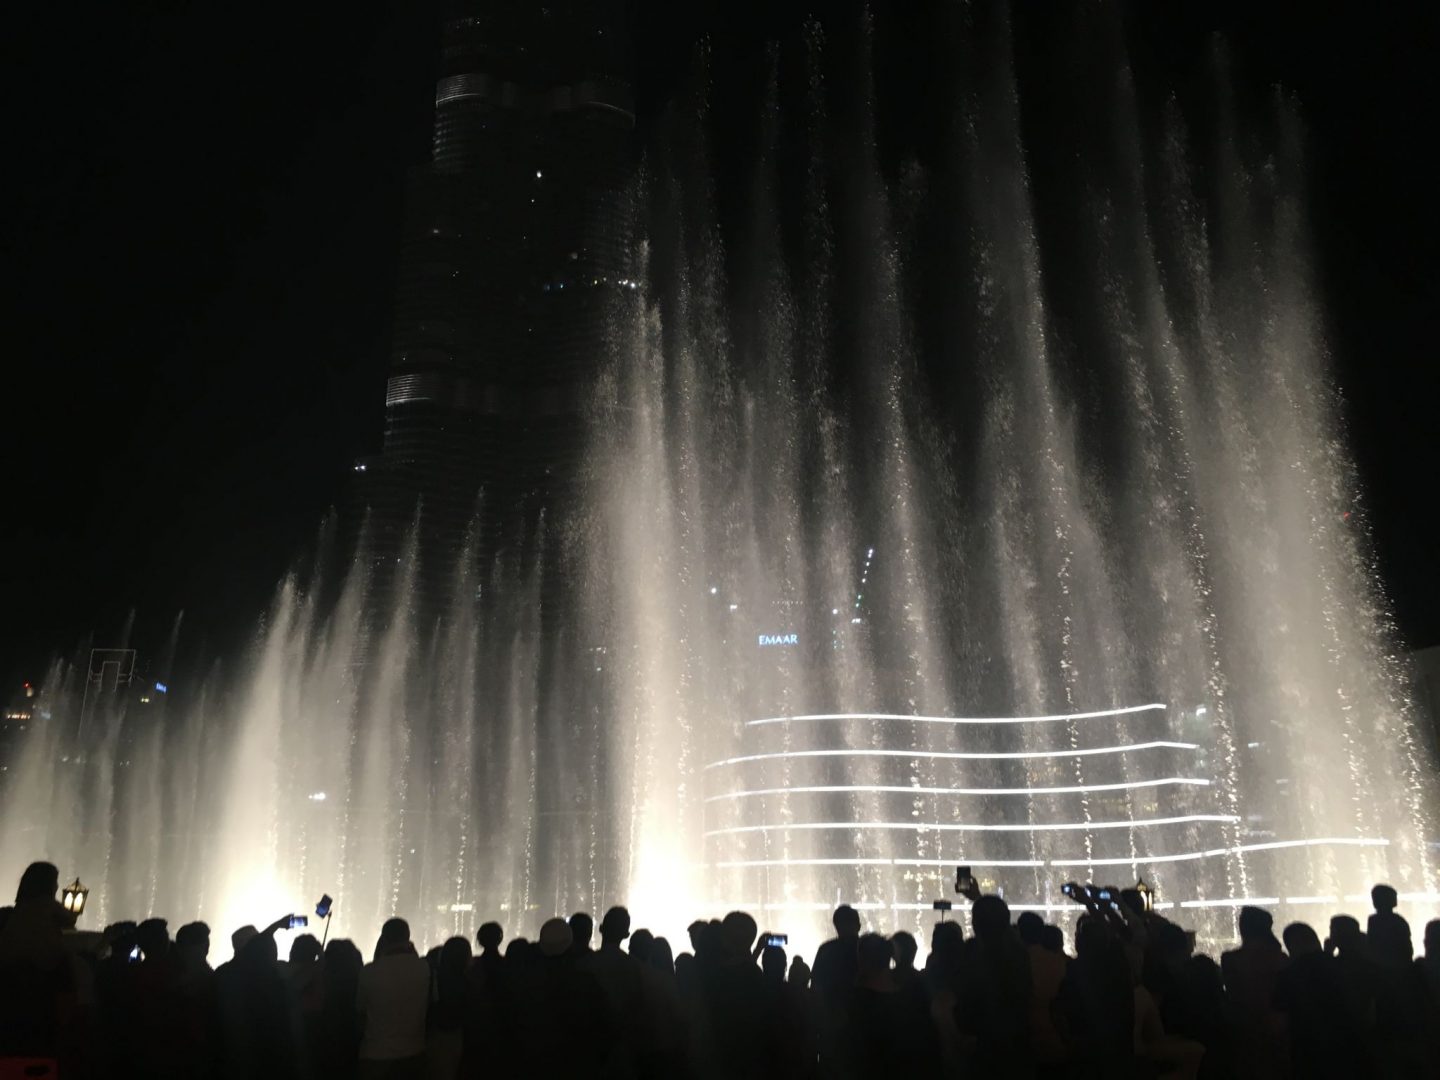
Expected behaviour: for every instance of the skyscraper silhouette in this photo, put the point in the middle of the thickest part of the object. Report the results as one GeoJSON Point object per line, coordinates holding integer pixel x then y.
{"type": "Point", "coordinates": [515, 240]}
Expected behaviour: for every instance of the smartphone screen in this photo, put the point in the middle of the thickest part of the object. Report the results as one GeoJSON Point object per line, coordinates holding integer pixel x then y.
{"type": "Point", "coordinates": [298, 921]}
{"type": "Point", "coordinates": [778, 939]}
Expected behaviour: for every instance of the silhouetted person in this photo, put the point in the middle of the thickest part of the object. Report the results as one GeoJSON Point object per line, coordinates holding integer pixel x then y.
{"type": "Point", "coordinates": [1097, 1000]}
{"type": "Point", "coordinates": [1052, 939]}
{"type": "Point", "coordinates": [336, 1051]}
{"type": "Point", "coordinates": [35, 971]}
{"type": "Point", "coordinates": [641, 943]}
{"type": "Point", "coordinates": [741, 1033]}
{"type": "Point", "coordinates": [994, 997]}
{"type": "Point", "coordinates": [448, 1010]}
{"type": "Point", "coordinates": [258, 1039]}
{"type": "Point", "coordinates": [1323, 1042]}
{"type": "Point", "coordinates": [1387, 930]}
{"type": "Point", "coordinates": [659, 1032]}
{"type": "Point", "coordinates": [1250, 973]}
{"type": "Point", "coordinates": [303, 974]}
{"type": "Point", "coordinates": [871, 1037]}
{"type": "Point", "coordinates": [1047, 972]}
{"type": "Point", "coordinates": [1190, 993]}
{"type": "Point", "coordinates": [799, 974]}
{"type": "Point", "coordinates": [619, 977]}
{"type": "Point", "coordinates": [489, 937]}
{"type": "Point", "coordinates": [661, 957]}
{"type": "Point", "coordinates": [157, 1002]}
{"type": "Point", "coordinates": [837, 961]}
{"type": "Point", "coordinates": [565, 1028]}
{"type": "Point", "coordinates": [393, 999]}
{"type": "Point", "coordinates": [582, 929]}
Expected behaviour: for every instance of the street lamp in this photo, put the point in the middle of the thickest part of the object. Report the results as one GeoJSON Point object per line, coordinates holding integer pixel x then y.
{"type": "Point", "coordinates": [1147, 895]}
{"type": "Point", "coordinates": [72, 897]}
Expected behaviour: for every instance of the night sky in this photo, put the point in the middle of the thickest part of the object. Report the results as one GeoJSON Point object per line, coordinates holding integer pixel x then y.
{"type": "Point", "coordinates": [203, 220]}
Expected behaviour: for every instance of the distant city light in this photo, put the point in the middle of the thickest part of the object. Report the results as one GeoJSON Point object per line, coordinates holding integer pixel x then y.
{"type": "Point", "coordinates": [318, 796]}
{"type": "Point", "coordinates": [462, 907]}
{"type": "Point", "coordinates": [713, 590]}
{"type": "Point", "coordinates": [539, 175]}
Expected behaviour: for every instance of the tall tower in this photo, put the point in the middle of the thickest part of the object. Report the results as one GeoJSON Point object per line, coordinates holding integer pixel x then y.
{"type": "Point", "coordinates": [515, 240]}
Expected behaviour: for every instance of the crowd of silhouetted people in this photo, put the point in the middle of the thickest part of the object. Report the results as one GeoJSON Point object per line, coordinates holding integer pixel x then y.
{"type": "Point", "coordinates": [1135, 999]}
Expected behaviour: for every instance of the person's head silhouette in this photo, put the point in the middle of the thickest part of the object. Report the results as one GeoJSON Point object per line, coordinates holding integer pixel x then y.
{"type": "Point", "coordinates": [1345, 934]}
{"type": "Point", "coordinates": [1030, 927]}
{"type": "Point", "coordinates": [696, 930]}
{"type": "Point", "coordinates": [946, 935]}
{"type": "Point", "coordinates": [904, 947]}
{"type": "Point", "coordinates": [874, 953]}
{"type": "Point", "coordinates": [642, 942]}
{"type": "Point", "coordinates": [557, 937]}
{"type": "Point", "coordinates": [582, 929]}
{"type": "Point", "coordinates": [1384, 898]}
{"type": "Point", "coordinates": [738, 932]}
{"type": "Point", "coordinates": [1052, 938]}
{"type": "Point", "coordinates": [305, 949]}
{"type": "Point", "coordinates": [489, 937]}
{"type": "Point", "coordinates": [1256, 925]}
{"type": "Point", "coordinates": [1432, 941]}
{"type": "Point", "coordinates": [614, 927]}
{"type": "Point", "coordinates": [990, 917]}
{"type": "Point", "coordinates": [1301, 940]}
{"type": "Point", "coordinates": [799, 973]}
{"type": "Point", "coordinates": [661, 955]}
{"type": "Point", "coordinates": [846, 921]}
{"type": "Point", "coordinates": [193, 939]}
{"type": "Point", "coordinates": [154, 938]}
{"type": "Point", "coordinates": [40, 881]}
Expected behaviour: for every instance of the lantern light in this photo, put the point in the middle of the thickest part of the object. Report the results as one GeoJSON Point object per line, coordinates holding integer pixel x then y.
{"type": "Point", "coordinates": [1147, 895]}
{"type": "Point", "coordinates": [72, 897]}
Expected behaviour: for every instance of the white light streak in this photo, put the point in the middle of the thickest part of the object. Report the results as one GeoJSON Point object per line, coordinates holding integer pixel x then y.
{"type": "Point", "coordinates": [744, 863]}
{"type": "Point", "coordinates": [1129, 710]}
{"type": "Point", "coordinates": [900, 790]}
{"type": "Point", "coordinates": [920, 826]}
{"type": "Point", "coordinates": [1233, 901]}
{"type": "Point", "coordinates": [959, 755]}
{"type": "Point", "coordinates": [1273, 845]}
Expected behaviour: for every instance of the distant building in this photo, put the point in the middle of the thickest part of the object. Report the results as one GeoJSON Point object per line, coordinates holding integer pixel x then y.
{"type": "Point", "coordinates": [15, 721]}
{"type": "Point", "coordinates": [515, 239]}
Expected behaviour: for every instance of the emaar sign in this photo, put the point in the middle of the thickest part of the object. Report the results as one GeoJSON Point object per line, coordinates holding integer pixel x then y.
{"type": "Point", "coordinates": [767, 640]}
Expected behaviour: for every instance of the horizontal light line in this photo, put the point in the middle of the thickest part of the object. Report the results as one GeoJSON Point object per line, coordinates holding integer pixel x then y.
{"type": "Point", "coordinates": [972, 862]}
{"type": "Point", "coordinates": [921, 826]}
{"type": "Point", "coordinates": [963, 860]}
{"type": "Point", "coordinates": [1312, 899]}
{"type": "Point", "coordinates": [1237, 901]}
{"type": "Point", "coordinates": [901, 790]}
{"type": "Point", "coordinates": [737, 863]}
{"type": "Point", "coordinates": [955, 755]}
{"type": "Point", "coordinates": [1274, 845]}
{"type": "Point", "coordinates": [961, 719]}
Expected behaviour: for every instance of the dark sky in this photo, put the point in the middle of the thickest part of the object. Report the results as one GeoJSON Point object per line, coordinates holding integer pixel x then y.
{"type": "Point", "coordinates": [201, 240]}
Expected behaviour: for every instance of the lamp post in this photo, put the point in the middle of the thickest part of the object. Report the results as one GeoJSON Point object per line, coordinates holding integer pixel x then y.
{"type": "Point", "coordinates": [72, 898]}
{"type": "Point", "coordinates": [1147, 895]}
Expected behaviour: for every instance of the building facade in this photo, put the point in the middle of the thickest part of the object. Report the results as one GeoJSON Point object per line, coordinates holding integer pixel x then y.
{"type": "Point", "coordinates": [516, 238]}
